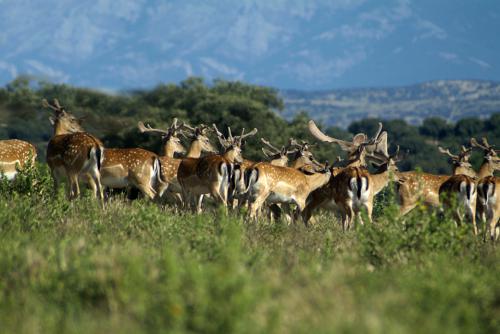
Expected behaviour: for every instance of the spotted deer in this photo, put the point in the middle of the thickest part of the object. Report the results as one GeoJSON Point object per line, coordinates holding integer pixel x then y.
{"type": "Point", "coordinates": [15, 155]}
{"type": "Point", "coordinates": [488, 191]}
{"type": "Point", "coordinates": [171, 144]}
{"type": "Point", "coordinates": [211, 174]}
{"type": "Point", "coordinates": [352, 188]}
{"type": "Point", "coordinates": [278, 184]}
{"type": "Point", "coordinates": [72, 152]}
{"type": "Point", "coordinates": [488, 204]}
{"type": "Point", "coordinates": [461, 188]}
{"type": "Point", "coordinates": [417, 187]}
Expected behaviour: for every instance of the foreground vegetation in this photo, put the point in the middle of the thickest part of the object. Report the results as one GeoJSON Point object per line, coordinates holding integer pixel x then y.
{"type": "Point", "coordinates": [135, 267]}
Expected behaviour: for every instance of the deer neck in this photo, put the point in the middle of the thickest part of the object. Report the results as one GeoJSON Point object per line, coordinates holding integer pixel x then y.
{"type": "Point", "coordinates": [60, 129]}
{"type": "Point", "coordinates": [282, 161]}
{"type": "Point", "coordinates": [486, 169]}
{"type": "Point", "coordinates": [194, 149]}
{"type": "Point", "coordinates": [317, 180]}
{"type": "Point", "coordinates": [382, 177]}
{"type": "Point", "coordinates": [168, 150]}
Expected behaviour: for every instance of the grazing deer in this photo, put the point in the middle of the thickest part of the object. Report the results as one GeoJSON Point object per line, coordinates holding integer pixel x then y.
{"type": "Point", "coordinates": [211, 174]}
{"type": "Point", "coordinates": [353, 187]}
{"type": "Point", "coordinates": [15, 154]}
{"type": "Point", "coordinates": [72, 152]}
{"type": "Point", "coordinates": [415, 186]}
{"type": "Point", "coordinates": [171, 145]}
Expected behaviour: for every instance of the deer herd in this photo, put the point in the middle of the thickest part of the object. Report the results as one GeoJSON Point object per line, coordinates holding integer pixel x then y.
{"type": "Point", "coordinates": [291, 183]}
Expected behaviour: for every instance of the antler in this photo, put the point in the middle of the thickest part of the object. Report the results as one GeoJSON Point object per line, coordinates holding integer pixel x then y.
{"type": "Point", "coordinates": [222, 140]}
{"type": "Point", "coordinates": [243, 135]}
{"type": "Point", "coordinates": [56, 107]}
{"type": "Point", "coordinates": [271, 146]}
{"type": "Point", "coordinates": [485, 143]}
{"type": "Point", "coordinates": [147, 128]}
{"type": "Point", "coordinates": [448, 153]}
{"type": "Point", "coordinates": [316, 132]}
{"type": "Point", "coordinates": [475, 143]}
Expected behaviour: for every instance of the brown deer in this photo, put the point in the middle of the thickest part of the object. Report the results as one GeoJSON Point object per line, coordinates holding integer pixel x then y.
{"type": "Point", "coordinates": [487, 206]}
{"type": "Point", "coordinates": [488, 192]}
{"type": "Point", "coordinates": [171, 144]}
{"type": "Point", "coordinates": [464, 188]}
{"type": "Point", "coordinates": [72, 152]}
{"type": "Point", "coordinates": [211, 174]}
{"type": "Point", "coordinates": [353, 187]}
{"type": "Point", "coordinates": [417, 186]}
{"type": "Point", "coordinates": [278, 184]}
{"type": "Point", "coordinates": [15, 154]}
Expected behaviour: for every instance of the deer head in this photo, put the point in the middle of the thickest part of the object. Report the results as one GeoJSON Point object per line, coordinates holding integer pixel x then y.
{"type": "Point", "coordinates": [460, 160]}
{"type": "Point", "coordinates": [170, 141]}
{"type": "Point", "coordinates": [274, 154]}
{"type": "Point", "coordinates": [232, 144]}
{"type": "Point", "coordinates": [383, 162]}
{"type": "Point", "coordinates": [63, 121]}
{"type": "Point", "coordinates": [199, 135]}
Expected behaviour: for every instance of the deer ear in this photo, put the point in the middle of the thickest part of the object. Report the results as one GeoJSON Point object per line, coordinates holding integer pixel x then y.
{"type": "Point", "coordinates": [52, 120]}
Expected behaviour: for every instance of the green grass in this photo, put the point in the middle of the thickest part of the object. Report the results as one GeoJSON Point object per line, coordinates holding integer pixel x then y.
{"type": "Point", "coordinates": [72, 267]}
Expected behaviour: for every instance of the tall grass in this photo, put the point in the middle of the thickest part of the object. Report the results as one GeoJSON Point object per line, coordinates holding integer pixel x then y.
{"type": "Point", "coordinates": [134, 267]}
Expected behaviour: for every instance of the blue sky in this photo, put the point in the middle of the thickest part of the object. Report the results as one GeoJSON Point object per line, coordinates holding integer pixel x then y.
{"type": "Point", "coordinates": [303, 44]}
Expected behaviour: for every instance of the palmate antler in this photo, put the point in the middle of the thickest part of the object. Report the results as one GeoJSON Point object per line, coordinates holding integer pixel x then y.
{"type": "Point", "coordinates": [378, 143]}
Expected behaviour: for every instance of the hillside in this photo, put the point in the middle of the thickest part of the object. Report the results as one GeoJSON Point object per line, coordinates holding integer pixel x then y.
{"type": "Point", "coordinates": [451, 100]}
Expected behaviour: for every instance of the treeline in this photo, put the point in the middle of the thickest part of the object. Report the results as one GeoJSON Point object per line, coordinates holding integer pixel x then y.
{"type": "Point", "coordinates": [113, 118]}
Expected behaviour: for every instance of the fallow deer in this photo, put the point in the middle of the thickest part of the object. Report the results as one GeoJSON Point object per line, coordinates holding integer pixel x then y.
{"type": "Point", "coordinates": [353, 187]}
{"type": "Point", "coordinates": [461, 184]}
{"type": "Point", "coordinates": [277, 184]}
{"type": "Point", "coordinates": [488, 191]}
{"type": "Point", "coordinates": [487, 206]}
{"type": "Point", "coordinates": [15, 154]}
{"type": "Point", "coordinates": [211, 174]}
{"type": "Point", "coordinates": [424, 187]}
{"type": "Point", "coordinates": [72, 152]}
{"type": "Point", "coordinates": [171, 144]}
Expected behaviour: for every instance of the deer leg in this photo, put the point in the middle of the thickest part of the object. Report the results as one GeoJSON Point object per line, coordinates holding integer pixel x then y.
{"type": "Point", "coordinates": [74, 186]}
{"type": "Point", "coordinates": [95, 175]}
{"type": "Point", "coordinates": [255, 205]}
{"type": "Point", "coordinates": [199, 203]}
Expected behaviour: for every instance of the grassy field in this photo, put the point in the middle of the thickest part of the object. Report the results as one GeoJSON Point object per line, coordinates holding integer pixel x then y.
{"type": "Point", "coordinates": [134, 267]}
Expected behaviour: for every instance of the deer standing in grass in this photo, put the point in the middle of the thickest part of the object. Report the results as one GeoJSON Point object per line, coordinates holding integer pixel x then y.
{"type": "Point", "coordinates": [352, 188]}
{"type": "Point", "coordinates": [171, 144]}
{"type": "Point", "coordinates": [211, 174]}
{"type": "Point", "coordinates": [488, 189]}
{"type": "Point", "coordinates": [461, 185]}
{"type": "Point", "coordinates": [278, 184]}
{"type": "Point", "coordinates": [72, 152]}
{"type": "Point", "coordinates": [418, 187]}
{"type": "Point", "coordinates": [15, 154]}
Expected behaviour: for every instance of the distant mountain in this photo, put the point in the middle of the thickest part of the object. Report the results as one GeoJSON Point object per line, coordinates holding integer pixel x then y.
{"type": "Point", "coordinates": [449, 99]}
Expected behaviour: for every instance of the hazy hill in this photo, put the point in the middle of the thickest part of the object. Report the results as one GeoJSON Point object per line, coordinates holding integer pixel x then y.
{"type": "Point", "coordinates": [449, 99]}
